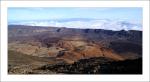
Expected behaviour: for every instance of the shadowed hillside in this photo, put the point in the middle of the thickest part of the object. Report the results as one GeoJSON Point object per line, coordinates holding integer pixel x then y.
{"type": "Point", "coordinates": [98, 66]}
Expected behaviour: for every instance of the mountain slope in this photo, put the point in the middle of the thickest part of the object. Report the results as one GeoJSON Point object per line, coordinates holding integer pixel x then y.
{"type": "Point", "coordinates": [72, 44]}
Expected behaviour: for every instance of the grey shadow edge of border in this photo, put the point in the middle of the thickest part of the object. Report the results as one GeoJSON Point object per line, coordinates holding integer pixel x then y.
{"type": "Point", "coordinates": [75, 0]}
{"type": "Point", "coordinates": [74, 81]}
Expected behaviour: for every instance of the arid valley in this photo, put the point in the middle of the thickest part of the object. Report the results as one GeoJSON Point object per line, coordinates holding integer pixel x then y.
{"type": "Point", "coordinates": [61, 50]}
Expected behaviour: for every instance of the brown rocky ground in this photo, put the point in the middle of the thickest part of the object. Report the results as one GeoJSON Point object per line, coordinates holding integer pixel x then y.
{"type": "Point", "coordinates": [30, 48]}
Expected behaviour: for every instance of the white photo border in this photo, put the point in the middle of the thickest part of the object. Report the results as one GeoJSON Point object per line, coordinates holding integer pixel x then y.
{"type": "Point", "coordinates": [4, 71]}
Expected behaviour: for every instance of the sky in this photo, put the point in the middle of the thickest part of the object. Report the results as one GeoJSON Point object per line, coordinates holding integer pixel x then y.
{"type": "Point", "coordinates": [52, 13]}
{"type": "Point", "coordinates": [111, 18]}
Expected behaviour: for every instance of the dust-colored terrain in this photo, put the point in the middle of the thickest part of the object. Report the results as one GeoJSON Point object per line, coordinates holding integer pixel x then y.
{"type": "Point", "coordinates": [31, 48]}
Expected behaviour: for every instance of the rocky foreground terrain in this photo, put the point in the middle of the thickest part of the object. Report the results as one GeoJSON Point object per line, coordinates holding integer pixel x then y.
{"type": "Point", "coordinates": [60, 50]}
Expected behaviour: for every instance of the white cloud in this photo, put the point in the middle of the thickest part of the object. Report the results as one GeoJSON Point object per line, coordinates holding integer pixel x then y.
{"type": "Point", "coordinates": [92, 24]}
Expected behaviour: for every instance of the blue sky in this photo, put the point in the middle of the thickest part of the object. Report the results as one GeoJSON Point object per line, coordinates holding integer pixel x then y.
{"type": "Point", "coordinates": [53, 13]}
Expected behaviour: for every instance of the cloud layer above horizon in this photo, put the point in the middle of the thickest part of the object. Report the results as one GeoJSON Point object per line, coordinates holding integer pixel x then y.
{"type": "Point", "coordinates": [84, 24]}
{"type": "Point", "coordinates": [112, 18]}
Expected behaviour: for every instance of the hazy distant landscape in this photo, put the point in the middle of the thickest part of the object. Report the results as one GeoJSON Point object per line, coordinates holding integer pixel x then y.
{"type": "Point", "coordinates": [91, 45]}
